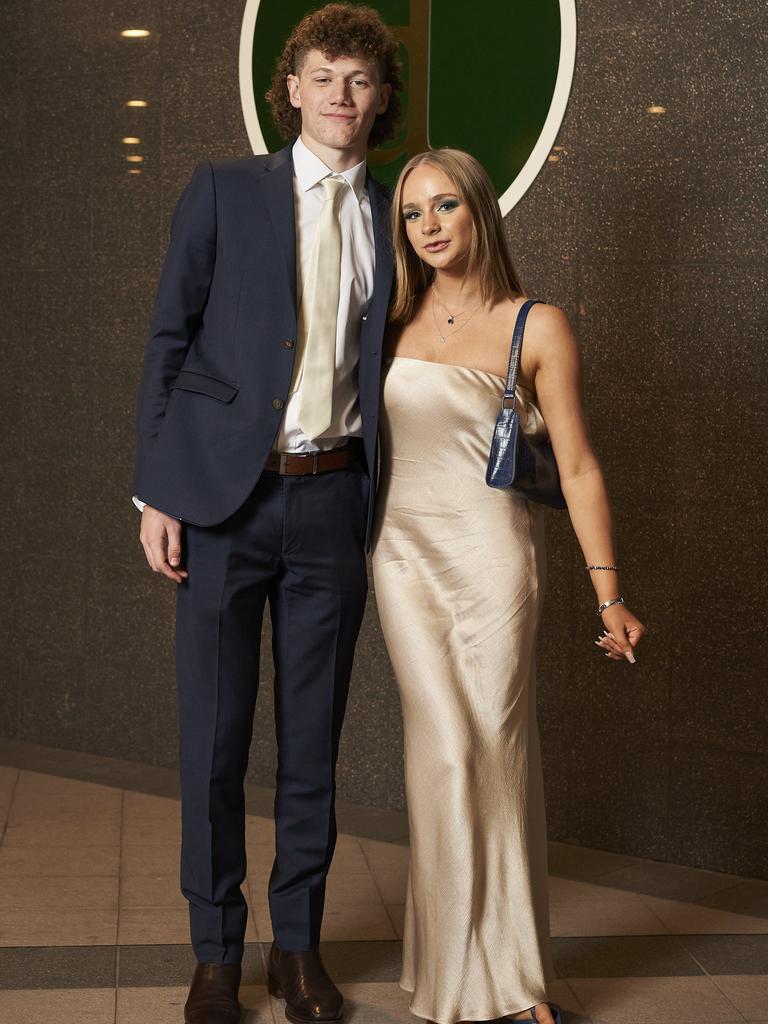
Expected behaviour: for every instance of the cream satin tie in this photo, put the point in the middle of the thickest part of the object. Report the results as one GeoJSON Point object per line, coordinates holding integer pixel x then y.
{"type": "Point", "coordinates": [319, 363]}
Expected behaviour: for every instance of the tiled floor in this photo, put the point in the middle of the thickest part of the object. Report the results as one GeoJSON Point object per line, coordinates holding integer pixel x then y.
{"type": "Point", "coordinates": [93, 929]}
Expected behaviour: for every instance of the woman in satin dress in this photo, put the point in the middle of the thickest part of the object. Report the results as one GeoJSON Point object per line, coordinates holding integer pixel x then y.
{"type": "Point", "coordinates": [459, 572]}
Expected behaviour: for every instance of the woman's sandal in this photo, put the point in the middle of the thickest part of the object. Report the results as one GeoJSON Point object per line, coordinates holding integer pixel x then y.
{"type": "Point", "coordinates": [554, 1010]}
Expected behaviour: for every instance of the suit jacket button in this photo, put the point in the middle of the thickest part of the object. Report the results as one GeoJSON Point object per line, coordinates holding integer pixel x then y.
{"type": "Point", "coordinates": [288, 343]}
{"type": "Point", "coordinates": [277, 403]}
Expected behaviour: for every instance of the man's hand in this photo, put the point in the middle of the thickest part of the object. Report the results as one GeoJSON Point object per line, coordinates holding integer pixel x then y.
{"type": "Point", "coordinates": [161, 538]}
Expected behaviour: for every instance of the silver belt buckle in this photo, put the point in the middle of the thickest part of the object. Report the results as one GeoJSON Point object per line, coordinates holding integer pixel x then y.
{"type": "Point", "coordinates": [315, 459]}
{"type": "Point", "coordinates": [283, 462]}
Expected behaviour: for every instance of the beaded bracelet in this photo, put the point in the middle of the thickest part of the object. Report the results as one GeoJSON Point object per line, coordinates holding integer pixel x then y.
{"type": "Point", "coordinates": [612, 568]}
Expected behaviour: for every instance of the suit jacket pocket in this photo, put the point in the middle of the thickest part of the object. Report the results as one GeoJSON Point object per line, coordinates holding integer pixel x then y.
{"type": "Point", "coordinates": [203, 384]}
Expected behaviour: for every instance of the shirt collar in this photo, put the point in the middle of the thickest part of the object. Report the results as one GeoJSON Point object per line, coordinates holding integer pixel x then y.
{"type": "Point", "coordinates": [310, 170]}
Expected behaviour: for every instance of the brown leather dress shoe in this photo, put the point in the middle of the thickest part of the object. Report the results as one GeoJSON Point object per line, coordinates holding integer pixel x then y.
{"type": "Point", "coordinates": [300, 978]}
{"type": "Point", "coordinates": [213, 995]}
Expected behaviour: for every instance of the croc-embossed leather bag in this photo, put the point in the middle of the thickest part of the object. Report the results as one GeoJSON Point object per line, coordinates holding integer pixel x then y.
{"type": "Point", "coordinates": [515, 462]}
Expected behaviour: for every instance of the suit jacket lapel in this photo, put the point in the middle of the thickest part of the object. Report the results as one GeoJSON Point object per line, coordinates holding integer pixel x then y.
{"type": "Point", "coordinates": [277, 191]}
{"type": "Point", "coordinates": [382, 236]}
{"type": "Point", "coordinates": [276, 187]}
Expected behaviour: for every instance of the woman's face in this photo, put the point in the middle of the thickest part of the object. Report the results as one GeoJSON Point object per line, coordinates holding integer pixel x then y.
{"type": "Point", "coordinates": [438, 222]}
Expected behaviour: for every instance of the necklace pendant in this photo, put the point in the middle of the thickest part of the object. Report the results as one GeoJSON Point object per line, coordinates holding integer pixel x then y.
{"type": "Point", "coordinates": [442, 339]}
{"type": "Point", "coordinates": [450, 320]}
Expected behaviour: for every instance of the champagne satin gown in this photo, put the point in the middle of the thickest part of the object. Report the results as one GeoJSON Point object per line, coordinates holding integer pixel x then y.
{"type": "Point", "coordinates": [459, 572]}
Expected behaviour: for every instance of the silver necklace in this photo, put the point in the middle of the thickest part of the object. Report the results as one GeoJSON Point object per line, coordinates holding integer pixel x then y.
{"type": "Point", "coordinates": [450, 318]}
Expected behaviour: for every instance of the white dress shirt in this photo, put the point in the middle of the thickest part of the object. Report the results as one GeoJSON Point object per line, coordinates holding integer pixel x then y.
{"type": "Point", "coordinates": [356, 289]}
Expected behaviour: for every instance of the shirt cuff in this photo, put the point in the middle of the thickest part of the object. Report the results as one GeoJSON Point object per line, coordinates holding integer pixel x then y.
{"type": "Point", "coordinates": [138, 503]}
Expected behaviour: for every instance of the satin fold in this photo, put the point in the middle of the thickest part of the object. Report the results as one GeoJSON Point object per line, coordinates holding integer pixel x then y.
{"type": "Point", "coordinates": [459, 571]}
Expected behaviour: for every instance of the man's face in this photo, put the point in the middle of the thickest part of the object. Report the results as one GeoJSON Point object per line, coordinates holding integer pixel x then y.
{"type": "Point", "coordinates": [339, 100]}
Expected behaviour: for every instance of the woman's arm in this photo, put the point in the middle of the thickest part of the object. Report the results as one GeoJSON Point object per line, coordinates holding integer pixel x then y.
{"type": "Point", "coordinates": [551, 358]}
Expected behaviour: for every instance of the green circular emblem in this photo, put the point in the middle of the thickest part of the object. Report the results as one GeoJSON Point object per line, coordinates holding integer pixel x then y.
{"type": "Point", "coordinates": [491, 77]}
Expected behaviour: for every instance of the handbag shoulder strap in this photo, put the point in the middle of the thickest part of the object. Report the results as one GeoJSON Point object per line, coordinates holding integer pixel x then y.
{"type": "Point", "coordinates": [508, 402]}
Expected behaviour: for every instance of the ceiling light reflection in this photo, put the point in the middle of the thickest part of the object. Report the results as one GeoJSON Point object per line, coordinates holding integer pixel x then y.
{"type": "Point", "coordinates": [131, 140]}
{"type": "Point", "coordinates": [135, 33]}
{"type": "Point", "coordinates": [136, 103]}
{"type": "Point", "coordinates": [134, 158]}
{"type": "Point", "coordinates": [655, 109]}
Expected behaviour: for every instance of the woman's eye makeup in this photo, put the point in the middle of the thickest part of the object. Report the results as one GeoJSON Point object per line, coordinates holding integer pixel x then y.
{"type": "Point", "coordinates": [446, 206]}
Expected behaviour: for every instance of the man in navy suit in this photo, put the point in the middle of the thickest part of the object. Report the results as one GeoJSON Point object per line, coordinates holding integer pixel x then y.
{"type": "Point", "coordinates": [255, 472]}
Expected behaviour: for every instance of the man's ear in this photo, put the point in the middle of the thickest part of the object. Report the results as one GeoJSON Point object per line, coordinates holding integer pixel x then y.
{"type": "Point", "coordinates": [386, 92]}
{"type": "Point", "coordinates": [292, 84]}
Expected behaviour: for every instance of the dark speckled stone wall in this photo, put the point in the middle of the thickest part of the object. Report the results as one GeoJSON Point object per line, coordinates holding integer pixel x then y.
{"type": "Point", "coordinates": [649, 231]}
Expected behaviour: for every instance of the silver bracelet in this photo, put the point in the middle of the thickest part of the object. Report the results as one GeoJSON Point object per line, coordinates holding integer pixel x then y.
{"type": "Point", "coordinates": [607, 604]}
{"type": "Point", "coordinates": [612, 568]}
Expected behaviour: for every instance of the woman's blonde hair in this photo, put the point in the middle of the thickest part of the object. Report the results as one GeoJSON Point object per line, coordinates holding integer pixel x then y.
{"type": "Point", "coordinates": [488, 254]}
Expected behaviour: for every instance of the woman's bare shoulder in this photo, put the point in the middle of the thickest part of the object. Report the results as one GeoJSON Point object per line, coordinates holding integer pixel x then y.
{"type": "Point", "coordinates": [548, 330]}
{"type": "Point", "coordinates": [546, 318]}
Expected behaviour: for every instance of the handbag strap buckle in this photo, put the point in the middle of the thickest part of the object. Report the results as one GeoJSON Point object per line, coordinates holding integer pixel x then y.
{"type": "Point", "coordinates": [514, 353]}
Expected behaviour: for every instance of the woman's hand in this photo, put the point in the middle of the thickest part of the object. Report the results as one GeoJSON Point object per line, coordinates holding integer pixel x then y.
{"type": "Point", "coordinates": [622, 633]}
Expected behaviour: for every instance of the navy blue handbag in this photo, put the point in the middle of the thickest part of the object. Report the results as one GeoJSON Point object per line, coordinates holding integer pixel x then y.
{"type": "Point", "coordinates": [514, 462]}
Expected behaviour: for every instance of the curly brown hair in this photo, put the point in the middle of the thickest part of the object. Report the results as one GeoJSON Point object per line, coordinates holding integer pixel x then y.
{"type": "Point", "coordinates": [338, 30]}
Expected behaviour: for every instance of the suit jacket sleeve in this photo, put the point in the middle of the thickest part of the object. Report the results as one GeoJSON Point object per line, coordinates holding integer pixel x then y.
{"type": "Point", "coordinates": [181, 298]}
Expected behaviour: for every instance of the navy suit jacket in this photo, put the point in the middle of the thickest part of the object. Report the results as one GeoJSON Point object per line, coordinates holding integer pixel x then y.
{"type": "Point", "coordinates": [217, 369]}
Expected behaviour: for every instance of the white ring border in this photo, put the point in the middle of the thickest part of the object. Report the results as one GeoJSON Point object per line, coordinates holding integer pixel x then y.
{"type": "Point", "coordinates": [247, 98]}
{"type": "Point", "coordinates": [540, 151]}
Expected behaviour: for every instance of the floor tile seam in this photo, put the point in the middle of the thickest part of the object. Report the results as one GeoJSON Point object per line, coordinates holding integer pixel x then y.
{"type": "Point", "coordinates": [582, 1009]}
{"type": "Point", "coordinates": [640, 862]}
{"type": "Point", "coordinates": [58, 878]}
{"type": "Point", "coordinates": [715, 910]}
{"type": "Point", "coordinates": [696, 960]}
{"type": "Point", "coordinates": [390, 918]}
{"type": "Point", "coordinates": [702, 900]}
{"type": "Point", "coordinates": [727, 998]}
{"type": "Point", "coordinates": [136, 786]}
{"type": "Point", "coordinates": [119, 894]}
{"type": "Point", "coordinates": [699, 901]}
{"type": "Point", "coordinates": [263, 955]}
{"type": "Point", "coordinates": [369, 866]}
{"type": "Point", "coordinates": [82, 947]}
{"type": "Point", "coordinates": [11, 799]}
{"type": "Point", "coordinates": [571, 982]}
{"type": "Point", "coordinates": [47, 908]}
{"type": "Point", "coordinates": [641, 979]}
{"type": "Point", "coordinates": [650, 910]}
{"type": "Point", "coordinates": [658, 937]}
{"type": "Point", "coordinates": [692, 955]}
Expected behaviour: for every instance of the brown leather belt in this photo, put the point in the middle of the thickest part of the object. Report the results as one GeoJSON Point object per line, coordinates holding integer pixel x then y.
{"type": "Point", "coordinates": [289, 464]}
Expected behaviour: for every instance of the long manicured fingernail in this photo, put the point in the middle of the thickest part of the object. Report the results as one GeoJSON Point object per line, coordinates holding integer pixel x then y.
{"type": "Point", "coordinates": [630, 657]}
